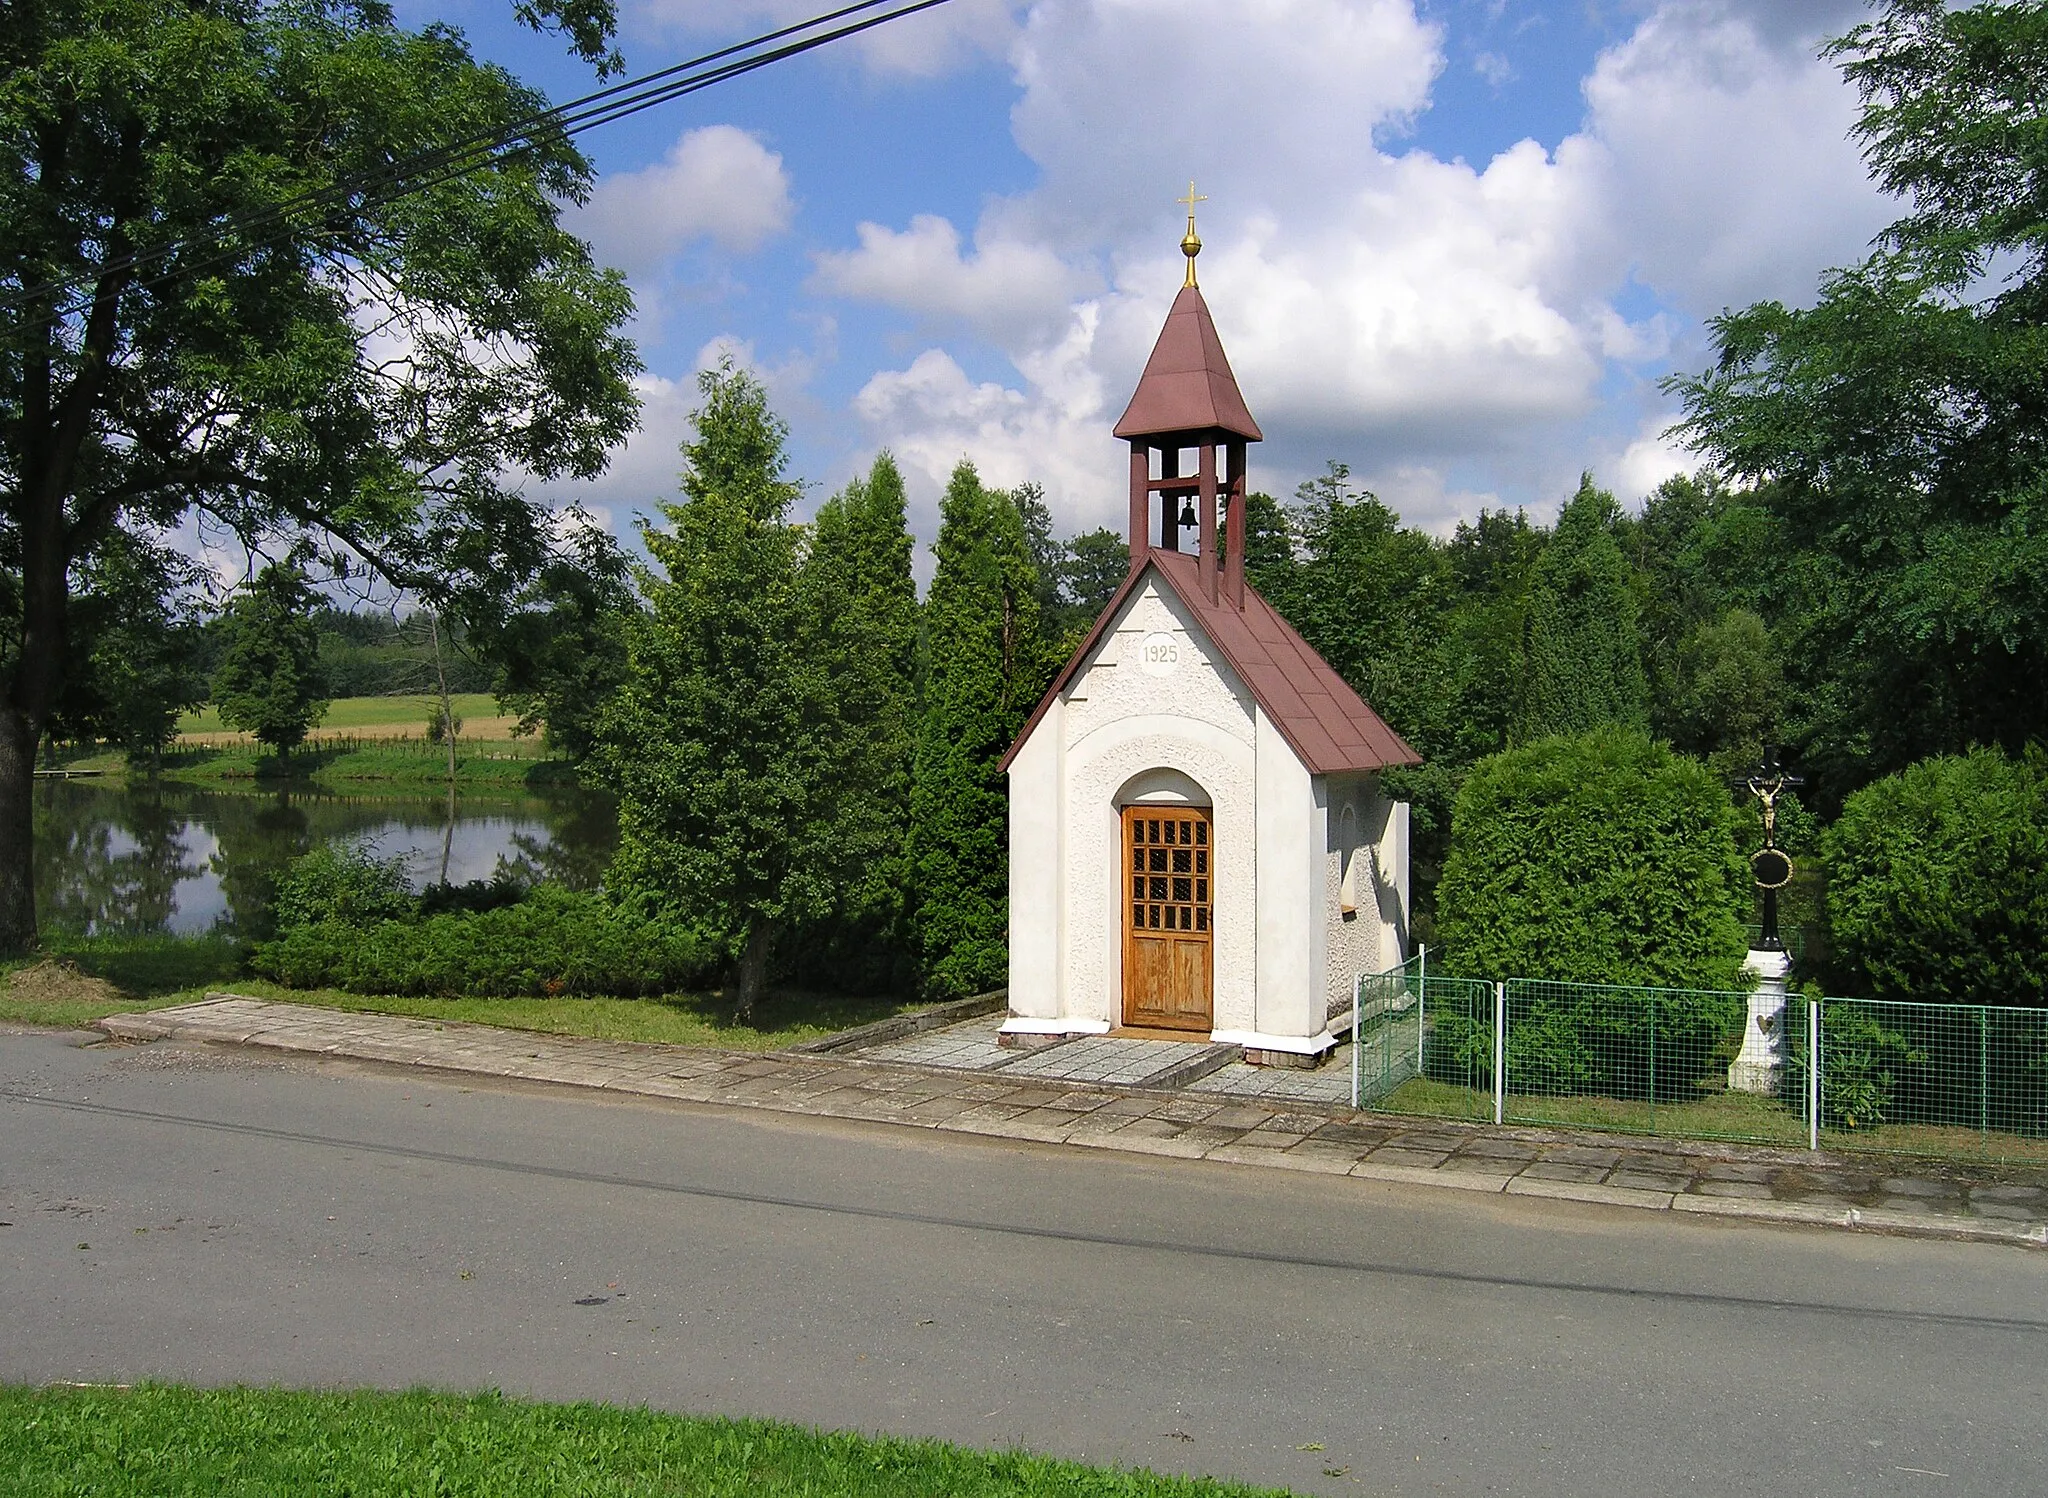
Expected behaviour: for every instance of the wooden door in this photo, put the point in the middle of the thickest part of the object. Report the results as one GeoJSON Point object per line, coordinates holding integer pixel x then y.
{"type": "Point", "coordinates": [1167, 967]}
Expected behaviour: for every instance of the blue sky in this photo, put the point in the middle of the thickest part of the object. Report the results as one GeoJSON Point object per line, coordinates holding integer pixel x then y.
{"type": "Point", "coordinates": [1454, 243]}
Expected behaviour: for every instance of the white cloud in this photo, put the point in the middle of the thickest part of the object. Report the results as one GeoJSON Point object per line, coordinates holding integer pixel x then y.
{"type": "Point", "coordinates": [1723, 158]}
{"type": "Point", "coordinates": [717, 183]}
{"type": "Point", "coordinates": [1411, 315]}
{"type": "Point", "coordinates": [1004, 290]}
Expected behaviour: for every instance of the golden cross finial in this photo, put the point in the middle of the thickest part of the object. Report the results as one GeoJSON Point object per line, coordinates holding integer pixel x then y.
{"type": "Point", "coordinates": [1191, 242]}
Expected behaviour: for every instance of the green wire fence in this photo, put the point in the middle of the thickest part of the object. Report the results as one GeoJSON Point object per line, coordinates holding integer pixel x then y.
{"type": "Point", "coordinates": [1940, 1079]}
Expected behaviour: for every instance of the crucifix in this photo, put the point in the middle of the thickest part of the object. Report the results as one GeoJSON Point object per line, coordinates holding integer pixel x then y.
{"type": "Point", "coordinates": [1769, 866]}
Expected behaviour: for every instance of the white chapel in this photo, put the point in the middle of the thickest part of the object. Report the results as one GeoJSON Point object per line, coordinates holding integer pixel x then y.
{"type": "Point", "coordinates": [1198, 839]}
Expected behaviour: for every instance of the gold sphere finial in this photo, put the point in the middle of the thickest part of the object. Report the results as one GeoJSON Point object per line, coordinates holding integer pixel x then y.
{"type": "Point", "coordinates": [1191, 242]}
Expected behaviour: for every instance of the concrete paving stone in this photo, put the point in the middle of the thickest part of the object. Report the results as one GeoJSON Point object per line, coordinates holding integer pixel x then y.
{"type": "Point", "coordinates": [1045, 1125]}
{"type": "Point", "coordinates": [1363, 1136]}
{"type": "Point", "coordinates": [1186, 1111]}
{"type": "Point", "coordinates": [1928, 1206]}
{"type": "Point", "coordinates": [2001, 1193]}
{"type": "Point", "coordinates": [1140, 1141]}
{"type": "Point", "coordinates": [1735, 1170]}
{"type": "Point", "coordinates": [1311, 1157]}
{"type": "Point", "coordinates": [1240, 1116]}
{"type": "Point", "coordinates": [1375, 1169]}
{"type": "Point", "coordinates": [1500, 1149]}
{"type": "Point", "coordinates": [1210, 1136]}
{"type": "Point", "coordinates": [1433, 1139]}
{"type": "Point", "coordinates": [1588, 1191]}
{"type": "Point", "coordinates": [1298, 1123]}
{"type": "Point", "coordinates": [937, 1110]}
{"type": "Point", "coordinates": [1466, 1163]}
{"type": "Point", "coordinates": [1271, 1139]}
{"type": "Point", "coordinates": [1579, 1154]}
{"type": "Point", "coordinates": [1410, 1158]}
{"type": "Point", "coordinates": [1735, 1190]}
{"type": "Point", "coordinates": [1079, 1102]}
{"type": "Point", "coordinates": [1130, 1106]}
{"type": "Point", "coordinates": [1919, 1186]}
{"type": "Point", "coordinates": [2007, 1211]}
{"type": "Point", "coordinates": [1030, 1097]}
{"type": "Point", "coordinates": [1559, 1170]}
{"type": "Point", "coordinates": [1763, 1211]}
{"type": "Point", "coordinates": [1649, 1180]}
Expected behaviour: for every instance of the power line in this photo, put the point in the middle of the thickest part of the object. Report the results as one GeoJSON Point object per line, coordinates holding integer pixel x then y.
{"type": "Point", "coordinates": [427, 169]}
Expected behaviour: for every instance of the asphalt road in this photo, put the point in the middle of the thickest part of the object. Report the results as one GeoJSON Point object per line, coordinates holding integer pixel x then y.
{"type": "Point", "coordinates": [214, 1217]}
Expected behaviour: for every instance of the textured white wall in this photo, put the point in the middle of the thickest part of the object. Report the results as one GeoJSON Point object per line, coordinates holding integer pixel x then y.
{"type": "Point", "coordinates": [1122, 722]}
{"type": "Point", "coordinates": [1290, 844]}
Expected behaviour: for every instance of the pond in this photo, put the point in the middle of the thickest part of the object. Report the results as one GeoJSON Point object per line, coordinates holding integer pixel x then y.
{"type": "Point", "coordinates": [147, 858]}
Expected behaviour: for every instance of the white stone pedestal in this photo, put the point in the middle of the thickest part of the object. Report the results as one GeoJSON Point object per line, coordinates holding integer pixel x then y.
{"type": "Point", "coordinates": [1761, 1062]}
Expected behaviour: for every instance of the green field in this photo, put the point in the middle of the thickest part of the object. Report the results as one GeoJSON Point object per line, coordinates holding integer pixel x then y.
{"type": "Point", "coordinates": [156, 1440]}
{"type": "Point", "coordinates": [478, 711]}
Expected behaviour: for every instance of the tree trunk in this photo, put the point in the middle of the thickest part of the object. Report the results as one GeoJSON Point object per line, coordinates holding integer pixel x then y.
{"type": "Point", "coordinates": [17, 834]}
{"type": "Point", "coordinates": [753, 970]}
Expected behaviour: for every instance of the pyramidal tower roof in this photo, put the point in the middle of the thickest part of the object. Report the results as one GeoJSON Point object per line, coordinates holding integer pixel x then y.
{"type": "Point", "coordinates": [1187, 385]}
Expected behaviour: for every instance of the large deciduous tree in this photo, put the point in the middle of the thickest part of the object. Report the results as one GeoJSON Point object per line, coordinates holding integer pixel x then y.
{"type": "Point", "coordinates": [183, 330]}
{"type": "Point", "coordinates": [269, 680]}
{"type": "Point", "coordinates": [724, 741]}
{"type": "Point", "coordinates": [1896, 428]}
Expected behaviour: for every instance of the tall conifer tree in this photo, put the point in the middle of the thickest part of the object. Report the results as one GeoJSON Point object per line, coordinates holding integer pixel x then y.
{"type": "Point", "coordinates": [723, 741]}
{"type": "Point", "coordinates": [1585, 651]}
{"type": "Point", "coordinates": [985, 663]}
{"type": "Point", "coordinates": [860, 605]}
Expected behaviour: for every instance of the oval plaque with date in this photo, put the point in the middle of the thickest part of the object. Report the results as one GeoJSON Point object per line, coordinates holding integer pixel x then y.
{"type": "Point", "coordinates": [1159, 653]}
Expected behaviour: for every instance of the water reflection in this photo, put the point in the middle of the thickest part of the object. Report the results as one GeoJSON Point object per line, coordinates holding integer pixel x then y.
{"type": "Point", "coordinates": [150, 858]}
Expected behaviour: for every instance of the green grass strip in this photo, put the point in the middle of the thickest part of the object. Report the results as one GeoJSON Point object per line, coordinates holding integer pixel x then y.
{"type": "Point", "coordinates": [241, 1443]}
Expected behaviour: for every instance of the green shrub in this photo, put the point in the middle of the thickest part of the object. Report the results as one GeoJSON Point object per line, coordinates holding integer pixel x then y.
{"type": "Point", "coordinates": [343, 884]}
{"type": "Point", "coordinates": [1600, 859]}
{"type": "Point", "coordinates": [554, 942]}
{"type": "Point", "coordinates": [1604, 858]}
{"type": "Point", "coordinates": [1938, 882]}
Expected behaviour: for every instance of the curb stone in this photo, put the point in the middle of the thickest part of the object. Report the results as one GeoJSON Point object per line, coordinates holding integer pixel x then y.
{"type": "Point", "coordinates": [1145, 1121]}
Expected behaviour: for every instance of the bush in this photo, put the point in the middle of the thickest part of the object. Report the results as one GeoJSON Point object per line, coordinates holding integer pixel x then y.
{"type": "Point", "coordinates": [1938, 882]}
{"type": "Point", "coordinates": [1600, 859]}
{"type": "Point", "coordinates": [342, 884]}
{"type": "Point", "coordinates": [553, 942]}
{"type": "Point", "coordinates": [1603, 858]}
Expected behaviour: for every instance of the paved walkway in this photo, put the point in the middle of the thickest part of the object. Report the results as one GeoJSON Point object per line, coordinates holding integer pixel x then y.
{"type": "Point", "coordinates": [1873, 1193]}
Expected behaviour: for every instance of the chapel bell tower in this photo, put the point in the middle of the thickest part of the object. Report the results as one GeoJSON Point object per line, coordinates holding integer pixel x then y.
{"type": "Point", "coordinates": [1188, 400]}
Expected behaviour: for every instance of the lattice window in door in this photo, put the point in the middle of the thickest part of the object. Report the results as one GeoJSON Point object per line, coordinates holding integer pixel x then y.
{"type": "Point", "coordinates": [1169, 872]}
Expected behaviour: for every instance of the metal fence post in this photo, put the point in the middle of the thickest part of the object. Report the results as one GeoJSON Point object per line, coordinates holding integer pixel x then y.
{"type": "Point", "coordinates": [1984, 1077]}
{"type": "Point", "coordinates": [1357, 979]}
{"type": "Point", "coordinates": [1500, 1052]}
{"type": "Point", "coordinates": [1813, 1074]}
{"type": "Point", "coordinates": [1421, 1002]}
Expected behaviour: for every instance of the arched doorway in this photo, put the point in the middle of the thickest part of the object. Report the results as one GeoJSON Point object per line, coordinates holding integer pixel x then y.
{"type": "Point", "coordinates": [1169, 888]}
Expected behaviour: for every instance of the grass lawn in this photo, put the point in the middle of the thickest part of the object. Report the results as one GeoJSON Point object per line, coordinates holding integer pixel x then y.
{"type": "Point", "coordinates": [90, 977]}
{"type": "Point", "coordinates": [1742, 1116]}
{"type": "Point", "coordinates": [155, 1439]}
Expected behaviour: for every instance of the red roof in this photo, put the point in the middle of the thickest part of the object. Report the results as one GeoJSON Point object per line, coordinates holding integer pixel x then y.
{"type": "Point", "coordinates": [1328, 725]}
{"type": "Point", "coordinates": [1187, 385]}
